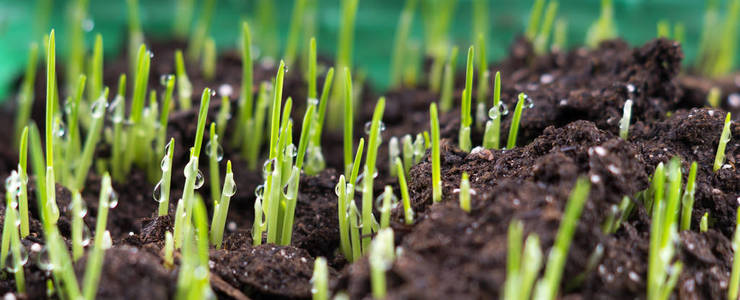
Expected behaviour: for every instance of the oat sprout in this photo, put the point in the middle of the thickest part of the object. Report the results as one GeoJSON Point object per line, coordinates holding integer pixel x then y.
{"type": "Point", "coordinates": [624, 123]}
{"type": "Point", "coordinates": [724, 138]}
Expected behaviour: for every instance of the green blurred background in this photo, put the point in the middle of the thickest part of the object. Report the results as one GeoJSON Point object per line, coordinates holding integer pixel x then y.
{"type": "Point", "coordinates": [375, 26]}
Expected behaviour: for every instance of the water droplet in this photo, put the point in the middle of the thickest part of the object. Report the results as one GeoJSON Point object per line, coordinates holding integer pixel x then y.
{"type": "Point", "coordinates": [493, 113]}
{"type": "Point", "coordinates": [151, 54]}
{"type": "Point", "coordinates": [83, 209]}
{"type": "Point", "coordinates": [86, 235]}
{"type": "Point", "coordinates": [379, 202]}
{"type": "Point", "coordinates": [157, 193]}
{"type": "Point", "coordinates": [369, 126]}
{"type": "Point", "coordinates": [213, 93]}
{"type": "Point", "coordinates": [60, 128]}
{"type": "Point", "coordinates": [259, 191]}
{"type": "Point", "coordinates": [219, 150]}
{"type": "Point", "coordinates": [291, 150]}
{"type": "Point", "coordinates": [44, 260]}
{"type": "Point", "coordinates": [225, 90]}
{"type": "Point", "coordinates": [313, 101]}
{"type": "Point", "coordinates": [267, 167]}
{"type": "Point", "coordinates": [165, 78]}
{"type": "Point", "coordinates": [88, 25]}
{"type": "Point", "coordinates": [503, 108]}
{"type": "Point", "coordinates": [337, 189]}
{"type": "Point", "coordinates": [199, 180]}
{"type": "Point", "coordinates": [112, 199]}
{"type": "Point", "coordinates": [528, 103]}
{"type": "Point", "coordinates": [14, 264]}
{"type": "Point", "coordinates": [107, 240]}
{"type": "Point", "coordinates": [630, 88]}
{"type": "Point", "coordinates": [230, 190]}
{"type": "Point", "coordinates": [164, 165]}
{"type": "Point", "coordinates": [98, 108]}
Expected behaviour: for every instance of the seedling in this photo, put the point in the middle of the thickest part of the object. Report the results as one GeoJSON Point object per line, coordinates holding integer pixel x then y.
{"type": "Point", "coordinates": [253, 147]}
{"type": "Point", "coordinates": [209, 58]}
{"type": "Point", "coordinates": [465, 192]}
{"type": "Point", "coordinates": [344, 60]}
{"type": "Point", "coordinates": [94, 74]}
{"type": "Point", "coordinates": [717, 48]}
{"type": "Point", "coordinates": [367, 183]}
{"type": "Point", "coordinates": [258, 226]}
{"type": "Point", "coordinates": [534, 19]}
{"type": "Point", "coordinates": [618, 215]}
{"type": "Point", "coordinates": [183, 17]}
{"type": "Point", "coordinates": [26, 95]}
{"type": "Point", "coordinates": [296, 22]}
{"type": "Point", "coordinates": [385, 208]}
{"type": "Point", "coordinates": [164, 184]}
{"type": "Point", "coordinates": [77, 214]}
{"type": "Point", "coordinates": [403, 29]}
{"type": "Point", "coordinates": [197, 39]}
{"type": "Point", "coordinates": [704, 223]}
{"type": "Point", "coordinates": [436, 174]}
{"type": "Point", "coordinates": [93, 136]}
{"type": "Point", "coordinates": [662, 275]}
{"type": "Point", "coordinates": [543, 37]}
{"type": "Point", "coordinates": [483, 76]}
{"type": "Point", "coordinates": [603, 28]}
{"type": "Point", "coordinates": [137, 108]}
{"type": "Point", "coordinates": [135, 34]}
{"type": "Point", "coordinates": [348, 121]}
{"type": "Point", "coordinates": [245, 109]}
{"type": "Point", "coordinates": [169, 250]}
{"type": "Point", "coordinates": [394, 151]}
{"type": "Point", "coordinates": [50, 199]}
{"type": "Point", "coordinates": [514, 129]}
{"type": "Point", "coordinates": [76, 54]}
{"type": "Point", "coordinates": [193, 281]}
{"type": "Point", "coordinates": [437, 17]}
{"type": "Point", "coordinates": [192, 174]}
{"type": "Point", "coordinates": [713, 97]}
{"type": "Point", "coordinates": [560, 35]}
{"type": "Point", "coordinates": [320, 279]}
{"type": "Point", "coordinates": [221, 209]}
{"type": "Point", "coordinates": [346, 193]}
{"type": "Point", "coordinates": [408, 212]}
{"type": "Point", "coordinates": [624, 123]}
{"type": "Point", "coordinates": [184, 87]}
{"type": "Point", "coordinates": [315, 161]}
{"type": "Point", "coordinates": [735, 275]}
{"type": "Point", "coordinates": [521, 273]}
{"type": "Point", "coordinates": [118, 107]}
{"type": "Point", "coordinates": [466, 119]}
{"type": "Point", "coordinates": [72, 143]}
{"type": "Point", "coordinates": [492, 134]}
{"type": "Point", "coordinates": [547, 287]}
{"type": "Point", "coordinates": [445, 102]}
{"type": "Point", "coordinates": [719, 158]}
{"type": "Point", "coordinates": [169, 83]}
{"type": "Point", "coordinates": [11, 242]}
{"type": "Point", "coordinates": [215, 154]}
{"type": "Point", "coordinates": [23, 184]}
{"type": "Point", "coordinates": [102, 240]}
{"type": "Point", "coordinates": [687, 200]}
{"type": "Point", "coordinates": [382, 254]}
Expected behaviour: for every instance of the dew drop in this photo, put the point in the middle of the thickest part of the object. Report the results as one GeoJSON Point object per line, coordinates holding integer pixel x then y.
{"type": "Point", "coordinates": [219, 151]}
{"type": "Point", "coordinates": [291, 151]}
{"type": "Point", "coordinates": [157, 193]}
{"type": "Point", "coordinates": [83, 209]}
{"type": "Point", "coordinates": [493, 113]}
{"type": "Point", "coordinates": [164, 79]}
{"type": "Point", "coordinates": [88, 25]}
{"type": "Point", "coordinates": [86, 235]}
{"type": "Point", "coordinates": [313, 101]}
{"type": "Point", "coordinates": [230, 192]}
{"type": "Point", "coordinates": [503, 108]}
{"type": "Point", "coordinates": [151, 54]}
{"type": "Point", "coordinates": [60, 128]}
{"type": "Point", "coordinates": [225, 90]}
{"type": "Point", "coordinates": [259, 191]}
{"type": "Point", "coordinates": [337, 189]}
{"type": "Point", "coordinates": [98, 107]}
{"type": "Point", "coordinates": [199, 180]}
{"type": "Point", "coordinates": [213, 93]}
{"type": "Point", "coordinates": [113, 199]}
{"type": "Point", "coordinates": [369, 126]}
{"type": "Point", "coordinates": [13, 264]}
{"type": "Point", "coordinates": [528, 103]}
{"type": "Point", "coordinates": [44, 261]}
{"type": "Point", "coordinates": [164, 165]}
{"type": "Point", "coordinates": [107, 240]}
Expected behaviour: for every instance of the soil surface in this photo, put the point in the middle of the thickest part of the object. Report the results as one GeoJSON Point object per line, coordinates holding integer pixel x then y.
{"type": "Point", "coordinates": [570, 131]}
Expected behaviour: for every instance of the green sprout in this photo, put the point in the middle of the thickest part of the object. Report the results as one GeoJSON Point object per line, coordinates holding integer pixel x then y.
{"type": "Point", "coordinates": [354, 215]}
{"type": "Point", "coordinates": [346, 193]}
{"type": "Point", "coordinates": [732, 291]}
{"type": "Point", "coordinates": [137, 108]}
{"type": "Point", "coordinates": [542, 39]}
{"type": "Point", "coordinates": [214, 154]}
{"type": "Point", "coordinates": [191, 169]}
{"type": "Point", "coordinates": [664, 29]}
{"type": "Point", "coordinates": [514, 129]}
{"type": "Point", "coordinates": [403, 29]}
{"type": "Point", "coordinates": [118, 106]}
{"type": "Point", "coordinates": [408, 212]}
{"type": "Point", "coordinates": [26, 95]}
{"type": "Point", "coordinates": [560, 35]}
{"type": "Point", "coordinates": [244, 114]}
{"type": "Point", "coordinates": [102, 240]}
{"type": "Point", "coordinates": [483, 76]}
{"type": "Point", "coordinates": [72, 144]}
{"type": "Point", "coordinates": [320, 280]}
{"type": "Point", "coordinates": [93, 136]}
{"type": "Point", "coordinates": [136, 36]}
{"type": "Point", "coordinates": [221, 208]}
{"type": "Point", "coordinates": [50, 198]}
{"type": "Point", "coordinates": [547, 287]}
{"type": "Point", "coordinates": [713, 97]}
{"type": "Point", "coordinates": [11, 242]}
{"type": "Point", "coordinates": [465, 119]}
{"type": "Point", "coordinates": [492, 134]}
{"type": "Point", "coordinates": [183, 17]}
{"type": "Point", "coordinates": [296, 22]}
{"type": "Point", "coordinates": [465, 192]}
{"type": "Point", "coordinates": [394, 151]}
{"type": "Point", "coordinates": [184, 87]}
{"type": "Point", "coordinates": [197, 39]}
{"type": "Point", "coordinates": [704, 223]}
{"type": "Point", "coordinates": [719, 158]}
{"type": "Point", "coordinates": [315, 161]}
{"type": "Point", "coordinates": [624, 123]}
{"type": "Point", "coordinates": [534, 19]}
{"type": "Point", "coordinates": [687, 200]}
{"type": "Point", "coordinates": [76, 54]}
{"type": "Point", "coordinates": [348, 120]}
{"type": "Point", "coordinates": [382, 254]}
{"type": "Point", "coordinates": [604, 27]}
{"type": "Point", "coordinates": [385, 207]}
{"type": "Point", "coordinates": [344, 60]}
{"type": "Point", "coordinates": [618, 215]}
{"type": "Point", "coordinates": [193, 281]}
{"type": "Point", "coordinates": [412, 63]}
{"type": "Point", "coordinates": [717, 48]}
{"type": "Point", "coordinates": [521, 273]}
{"type": "Point", "coordinates": [77, 215]}
{"type": "Point", "coordinates": [23, 184]}
{"type": "Point", "coordinates": [445, 102]}
{"type": "Point", "coordinates": [257, 226]}
{"type": "Point", "coordinates": [169, 83]}
{"type": "Point", "coordinates": [436, 174]}
{"type": "Point", "coordinates": [437, 18]}
{"type": "Point", "coordinates": [373, 143]}
{"type": "Point", "coordinates": [95, 71]}
{"type": "Point", "coordinates": [663, 232]}
{"type": "Point", "coordinates": [38, 164]}
{"type": "Point", "coordinates": [169, 250]}
{"type": "Point", "coordinates": [164, 184]}
{"type": "Point", "coordinates": [209, 58]}
{"type": "Point", "coordinates": [267, 25]}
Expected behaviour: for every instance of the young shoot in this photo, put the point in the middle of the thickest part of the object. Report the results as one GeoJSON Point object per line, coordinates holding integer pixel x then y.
{"type": "Point", "coordinates": [23, 184]}
{"type": "Point", "coordinates": [436, 174]}
{"type": "Point", "coordinates": [535, 15]}
{"type": "Point", "coordinates": [367, 189]}
{"type": "Point", "coordinates": [713, 97]}
{"type": "Point", "coordinates": [348, 121]}
{"type": "Point", "coordinates": [183, 17]}
{"type": "Point", "coordinates": [215, 154]}
{"type": "Point", "coordinates": [687, 200]}
{"type": "Point", "coordinates": [258, 226]}
{"type": "Point", "coordinates": [732, 291]}
{"type": "Point", "coordinates": [604, 27]}
{"type": "Point", "coordinates": [245, 104]}
{"type": "Point", "coordinates": [93, 136]}
{"type": "Point", "coordinates": [118, 107]}
{"type": "Point", "coordinates": [437, 17]}
{"type": "Point", "coordinates": [315, 161]}
{"type": "Point", "coordinates": [13, 253]}
{"type": "Point", "coordinates": [521, 272]}
{"type": "Point", "coordinates": [221, 209]}
{"type": "Point", "coordinates": [547, 287]}
{"type": "Point", "coordinates": [403, 29]}
{"type": "Point", "coordinates": [50, 199]}
{"type": "Point", "coordinates": [209, 58]}
{"type": "Point", "coordinates": [320, 279]}
{"type": "Point", "coordinates": [385, 207]}
{"type": "Point", "coordinates": [345, 191]}
{"type": "Point", "coordinates": [193, 178]}
{"type": "Point", "coordinates": [466, 119]}
{"type": "Point", "coordinates": [296, 22]}
{"type": "Point", "coordinates": [254, 144]}
{"type": "Point", "coordinates": [26, 94]}
{"type": "Point", "coordinates": [137, 109]}
{"type": "Point", "coordinates": [169, 250]}
{"type": "Point", "coordinates": [492, 134]}
{"type": "Point", "coordinates": [169, 83]}
{"type": "Point", "coordinates": [542, 39]}
{"type": "Point", "coordinates": [162, 189]}
{"type": "Point", "coordinates": [624, 123]}
{"type": "Point", "coordinates": [394, 151]}
{"type": "Point", "coordinates": [77, 214]}
{"type": "Point", "coordinates": [135, 34]}
{"type": "Point", "coordinates": [184, 87]}
{"type": "Point", "coordinates": [704, 223]}
{"type": "Point", "coordinates": [465, 192]}
{"type": "Point", "coordinates": [719, 158]}
{"type": "Point", "coordinates": [197, 39]}
{"type": "Point", "coordinates": [483, 75]}
{"type": "Point", "coordinates": [408, 212]}
{"type": "Point", "coordinates": [514, 129]}
{"type": "Point", "coordinates": [381, 257]}
{"type": "Point", "coordinates": [344, 60]}
{"type": "Point", "coordinates": [95, 71]}
{"type": "Point", "coordinates": [102, 240]}
{"type": "Point", "coordinates": [448, 84]}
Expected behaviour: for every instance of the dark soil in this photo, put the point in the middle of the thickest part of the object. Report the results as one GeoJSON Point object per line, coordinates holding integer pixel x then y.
{"type": "Point", "coordinates": [570, 131]}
